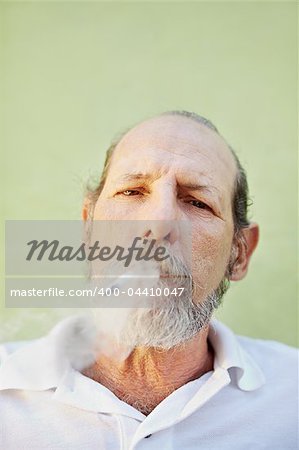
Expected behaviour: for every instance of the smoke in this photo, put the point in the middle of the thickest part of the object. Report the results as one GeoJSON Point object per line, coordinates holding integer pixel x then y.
{"type": "Point", "coordinates": [165, 322]}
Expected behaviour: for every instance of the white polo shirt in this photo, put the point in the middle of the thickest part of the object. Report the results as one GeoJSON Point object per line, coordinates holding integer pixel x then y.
{"type": "Point", "coordinates": [249, 401]}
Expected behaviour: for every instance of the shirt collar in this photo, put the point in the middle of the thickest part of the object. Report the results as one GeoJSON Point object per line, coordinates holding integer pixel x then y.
{"type": "Point", "coordinates": [42, 364]}
{"type": "Point", "coordinates": [231, 356]}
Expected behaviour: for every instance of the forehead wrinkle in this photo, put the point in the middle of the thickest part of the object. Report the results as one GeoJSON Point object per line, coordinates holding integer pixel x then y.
{"type": "Point", "coordinates": [136, 141]}
{"type": "Point", "coordinates": [184, 177]}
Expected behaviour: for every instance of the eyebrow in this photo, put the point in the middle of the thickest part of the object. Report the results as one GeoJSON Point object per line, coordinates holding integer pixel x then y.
{"type": "Point", "coordinates": [146, 176]}
{"type": "Point", "coordinates": [131, 176]}
{"type": "Point", "coordinates": [200, 187]}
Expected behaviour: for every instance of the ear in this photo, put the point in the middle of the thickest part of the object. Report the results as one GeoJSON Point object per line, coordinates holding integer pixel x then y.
{"type": "Point", "coordinates": [245, 246]}
{"type": "Point", "coordinates": [86, 209]}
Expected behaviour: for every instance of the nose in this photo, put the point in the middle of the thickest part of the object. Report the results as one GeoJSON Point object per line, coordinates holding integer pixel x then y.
{"type": "Point", "coordinates": [161, 215]}
{"type": "Point", "coordinates": [162, 231]}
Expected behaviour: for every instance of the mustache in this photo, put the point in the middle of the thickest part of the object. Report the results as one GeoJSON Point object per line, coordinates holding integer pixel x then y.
{"type": "Point", "coordinates": [174, 270]}
{"type": "Point", "coordinates": [174, 267]}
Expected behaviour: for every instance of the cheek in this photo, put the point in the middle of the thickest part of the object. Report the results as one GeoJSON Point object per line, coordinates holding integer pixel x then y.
{"type": "Point", "coordinates": [107, 210]}
{"type": "Point", "coordinates": [211, 250]}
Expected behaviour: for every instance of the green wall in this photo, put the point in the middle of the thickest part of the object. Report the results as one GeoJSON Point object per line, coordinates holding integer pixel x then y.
{"type": "Point", "coordinates": [76, 74]}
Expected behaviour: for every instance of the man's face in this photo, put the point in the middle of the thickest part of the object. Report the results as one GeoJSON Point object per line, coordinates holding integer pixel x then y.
{"type": "Point", "coordinates": [172, 168]}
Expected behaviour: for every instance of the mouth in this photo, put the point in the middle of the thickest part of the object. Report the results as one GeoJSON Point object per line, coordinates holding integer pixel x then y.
{"type": "Point", "coordinates": [171, 275]}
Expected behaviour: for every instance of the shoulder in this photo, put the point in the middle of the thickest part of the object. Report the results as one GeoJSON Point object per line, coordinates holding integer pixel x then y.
{"type": "Point", "coordinates": [277, 360]}
{"type": "Point", "coordinates": [267, 348]}
{"type": "Point", "coordinates": [8, 348]}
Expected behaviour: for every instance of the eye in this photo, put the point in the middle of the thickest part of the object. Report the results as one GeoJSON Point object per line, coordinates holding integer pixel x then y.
{"type": "Point", "coordinates": [199, 204]}
{"type": "Point", "coordinates": [129, 192]}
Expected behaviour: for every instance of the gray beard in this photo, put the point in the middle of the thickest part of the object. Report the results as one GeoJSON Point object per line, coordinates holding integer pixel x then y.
{"type": "Point", "coordinates": [172, 320]}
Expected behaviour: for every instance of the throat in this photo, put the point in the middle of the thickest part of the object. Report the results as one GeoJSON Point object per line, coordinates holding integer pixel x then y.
{"type": "Point", "coordinates": [150, 375]}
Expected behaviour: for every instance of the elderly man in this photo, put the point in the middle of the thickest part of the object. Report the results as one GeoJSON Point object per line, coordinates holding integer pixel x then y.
{"type": "Point", "coordinates": [188, 381]}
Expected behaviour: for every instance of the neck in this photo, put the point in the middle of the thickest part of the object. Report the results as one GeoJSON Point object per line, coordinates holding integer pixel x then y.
{"type": "Point", "coordinates": [148, 375]}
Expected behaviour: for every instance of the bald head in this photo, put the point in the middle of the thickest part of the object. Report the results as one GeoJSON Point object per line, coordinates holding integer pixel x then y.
{"type": "Point", "coordinates": [181, 122]}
